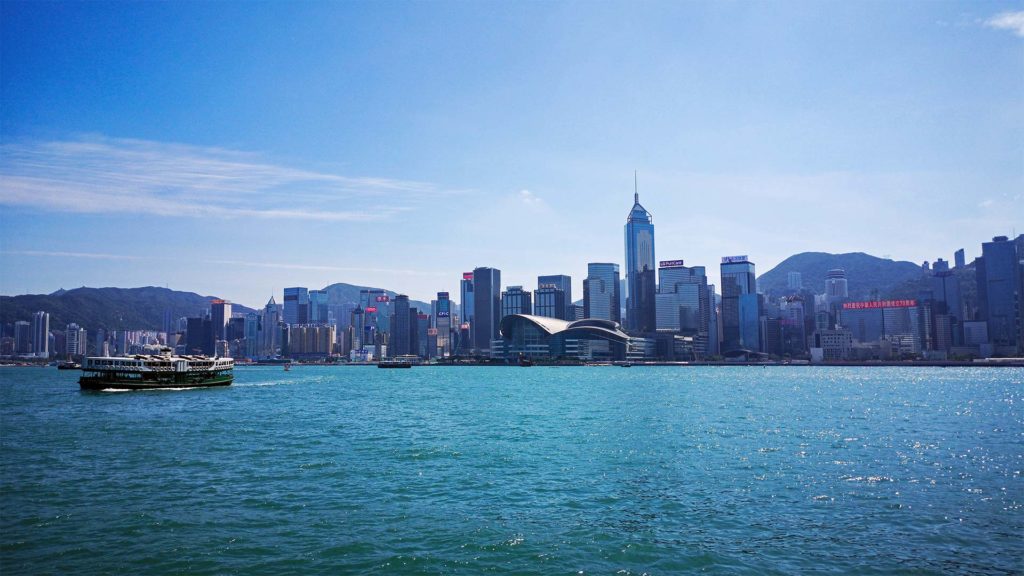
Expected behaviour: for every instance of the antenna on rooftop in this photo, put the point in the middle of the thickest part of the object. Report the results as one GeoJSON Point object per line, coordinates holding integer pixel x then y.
{"type": "Point", "coordinates": [636, 192]}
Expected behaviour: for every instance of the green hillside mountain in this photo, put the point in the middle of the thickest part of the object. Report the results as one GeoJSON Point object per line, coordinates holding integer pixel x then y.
{"type": "Point", "coordinates": [864, 273]}
{"type": "Point", "coordinates": [340, 293]}
{"type": "Point", "coordinates": [108, 308]}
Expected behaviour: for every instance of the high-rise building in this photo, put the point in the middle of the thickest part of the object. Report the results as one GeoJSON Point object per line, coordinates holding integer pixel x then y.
{"type": "Point", "coordinates": [549, 300]}
{"type": "Point", "coordinates": [270, 330]}
{"type": "Point", "coordinates": [198, 337]}
{"type": "Point", "coordinates": [515, 300]}
{"type": "Point", "coordinates": [486, 307]}
{"type": "Point", "coordinates": [22, 337]}
{"type": "Point", "coordinates": [795, 281]}
{"type": "Point", "coordinates": [738, 280]}
{"type": "Point", "coordinates": [958, 258]}
{"type": "Point", "coordinates": [296, 305]}
{"type": "Point", "coordinates": [318, 307]}
{"type": "Point", "coordinates": [41, 335]}
{"type": "Point", "coordinates": [443, 324]}
{"type": "Point", "coordinates": [640, 305]}
{"type": "Point", "coordinates": [466, 295]}
{"type": "Point", "coordinates": [999, 292]}
{"type": "Point", "coordinates": [947, 307]}
{"type": "Point", "coordinates": [563, 283]}
{"type": "Point", "coordinates": [401, 343]}
{"type": "Point", "coordinates": [220, 314]}
{"type": "Point", "coordinates": [836, 285]}
{"type": "Point", "coordinates": [75, 340]}
{"type": "Point", "coordinates": [684, 303]}
{"type": "Point", "coordinates": [601, 298]}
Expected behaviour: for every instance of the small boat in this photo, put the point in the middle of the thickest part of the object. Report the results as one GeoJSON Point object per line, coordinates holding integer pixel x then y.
{"type": "Point", "coordinates": [394, 364]}
{"type": "Point", "coordinates": [69, 365]}
{"type": "Point", "coordinates": [626, 365]}
{"type": "Point", "coordinates": [524, 361]}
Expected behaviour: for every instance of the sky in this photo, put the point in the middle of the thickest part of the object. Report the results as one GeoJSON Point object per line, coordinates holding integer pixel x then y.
{"type": "Point", "coordinates": [234, 149]}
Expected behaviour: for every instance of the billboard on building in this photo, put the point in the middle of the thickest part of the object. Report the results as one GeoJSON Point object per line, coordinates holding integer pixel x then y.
{"type": "Point", "coordinates": [670, 264]}
{"type": "Point", "coordinates": [732, 259]}
{"type": "Point", "coordinates": [906, 303]}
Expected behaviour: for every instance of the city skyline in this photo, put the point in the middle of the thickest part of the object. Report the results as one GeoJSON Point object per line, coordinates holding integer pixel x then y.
{"type": "Point", "coordinates": [260, 165]}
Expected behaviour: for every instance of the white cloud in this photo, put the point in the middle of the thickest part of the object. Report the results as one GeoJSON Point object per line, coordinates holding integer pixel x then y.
{"type": "Point", "coordinates": [529, 198]}
{"type": "Point", "coordinates": [1013, 21]}
{"type": "Point", "coordinates": [103, 175]}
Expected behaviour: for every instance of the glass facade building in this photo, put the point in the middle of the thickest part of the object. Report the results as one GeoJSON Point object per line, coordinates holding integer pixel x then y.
{"type": "Point", "coordinates": [561, 282]}
{"type": "Point", "coordinates": [601, 297]}
{"type": "Point", "coordinates": [550, 301]}
{"type": "Point", "coordinates": [640, 302]}
{"type": "Point", "coordinates": [296, 305]}
{"type": "Point", "coordinates": [486, 307]}
{"type": "Point", "coordinates": [515, 300]}
{"type": "Point", "coordinates": [738, 279]}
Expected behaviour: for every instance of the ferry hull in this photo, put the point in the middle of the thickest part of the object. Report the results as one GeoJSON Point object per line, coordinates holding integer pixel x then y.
{"type": "Point", "coordinates": [98, 383]}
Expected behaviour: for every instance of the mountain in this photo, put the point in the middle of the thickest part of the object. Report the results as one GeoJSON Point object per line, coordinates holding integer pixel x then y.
{"type": "Point", "coordinates": [108, 308]}
{"type": "Point", "coordinates": [864, 274]}
{"type": "Point", "coordinates": [340, 293]}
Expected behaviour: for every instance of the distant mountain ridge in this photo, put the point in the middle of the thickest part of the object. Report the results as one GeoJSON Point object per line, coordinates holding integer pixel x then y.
{"type": "Point", "coordinates": [108, 308]}
{"type": "Point", "coordinates": [340, 293]}
{"type": "Point", "coordinates": [865, 273]}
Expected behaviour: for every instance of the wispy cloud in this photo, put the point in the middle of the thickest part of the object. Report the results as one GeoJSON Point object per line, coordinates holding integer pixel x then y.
{"type": "Point", "coordinates": [244, 263]}
{"type": "Point", "coordinates": [101, 175]}
{"type": "Point", "coordinates": [57, 254]}
{"type": "Point", "coordinates": [1012, 21]}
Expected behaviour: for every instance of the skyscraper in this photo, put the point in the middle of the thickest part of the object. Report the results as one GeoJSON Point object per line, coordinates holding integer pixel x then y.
{"type": "Point", "coordinates": [486, 307]}
{"type": "Point", "coordinates": [401, 343]}
{"type": "Point", "coordinates": [550, 301]}
{"type": "Point", "coordinates": [443, 323]}
{"type": "Point", "coordinates": [22, 337]}
{"type": "Point", "coordinates": [958, 258]}
{"type": "Point", "coordinates": [220, 313]}
{"type": "Point", "coordinates": [563, 283]}
{"type": "Point", "coordinates": [270, 330]}
{"type": "Point", "coordinates": [836, 287]}
{"type": "Point", "coordinates": [794, 281]}
{"type": "Point", "coordinates": [515, 300]}
{"type": "Point", "coordinates": [738, 279]}
{"type": "Point", "coordinates": [41, 335]}
{"type": "Point", "coordinates": [998, 290]}
{"type": "Point", "coordinates": [601, 297]}
{"type": "Point", "coordinates": [640, 306]}
{"type": "Point", "coordinates": [684, 303]}
{"type": "Point", "coordinates": [296, 305]}
{"type": "Point", "coordinates": [466, 298]}
{"type": "Point", "coordinates": [318, 306]}
{"type": "Point", "coordinates": [75, 340]}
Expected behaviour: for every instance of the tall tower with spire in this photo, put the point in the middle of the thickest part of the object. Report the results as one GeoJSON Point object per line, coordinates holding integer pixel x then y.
{"type": "Point", "coordinates": [640, 268]}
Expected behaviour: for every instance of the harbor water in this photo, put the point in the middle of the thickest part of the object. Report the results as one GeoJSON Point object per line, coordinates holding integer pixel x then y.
{"type": "Point", "coordinates": [542, 470]}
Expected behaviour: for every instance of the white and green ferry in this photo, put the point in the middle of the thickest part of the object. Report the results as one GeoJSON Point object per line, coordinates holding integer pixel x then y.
{"type": "Point", "coordinates": [145, 372]}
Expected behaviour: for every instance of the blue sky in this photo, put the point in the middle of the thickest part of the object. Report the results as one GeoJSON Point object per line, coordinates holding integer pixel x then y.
{"type": "Point", "coordinates": [238, 148]}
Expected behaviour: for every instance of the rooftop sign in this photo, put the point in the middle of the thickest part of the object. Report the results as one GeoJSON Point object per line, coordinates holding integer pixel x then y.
{"type": "Point", "coordinates": [732, 259]}
{"type": "Point", "coordinates": [371, 309]}
{"type": "Point", "coordinates": [875, 304]}
{"type": "Point", "coordinates": [384, 298]}
{"type": "Point", "coordinates": [467, 275]}
{"type": "Point", "coordinates": [670, 264]}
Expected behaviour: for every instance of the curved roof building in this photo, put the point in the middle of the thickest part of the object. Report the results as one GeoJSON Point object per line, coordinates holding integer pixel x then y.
{"type": "Point", "coordinates": [540, 336]}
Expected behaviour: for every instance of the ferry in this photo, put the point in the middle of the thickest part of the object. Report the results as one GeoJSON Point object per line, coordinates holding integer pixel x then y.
{"type": "Point", "coordinates": [151, 372]}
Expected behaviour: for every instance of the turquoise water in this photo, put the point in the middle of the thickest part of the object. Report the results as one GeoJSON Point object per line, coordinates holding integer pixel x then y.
{"type": "Point", "coordinates": [463, 470]}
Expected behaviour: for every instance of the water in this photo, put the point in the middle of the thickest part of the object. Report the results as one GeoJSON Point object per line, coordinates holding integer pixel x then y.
{"type": "Point", "coordinates": [518, 470]}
